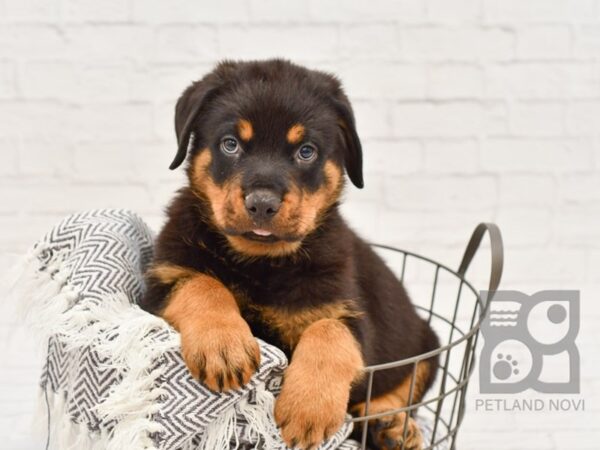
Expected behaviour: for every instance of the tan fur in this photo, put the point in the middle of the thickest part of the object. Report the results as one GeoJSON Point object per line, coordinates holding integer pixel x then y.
{"type": "Point", "coordinates": [315, 203]}
{"type": "Point", "coordinates": [255, 248]}
{"type": "Point", "coordinates": [302, 209]}
{"type": "Point", "coordinates": [216, 342]}
{"type": "Point", "coordinates": [170, 273]}
{"type": "Point", "coordinates": [392, 431]}
{"type": "Point", "coordinates": [295, 134]}
{"type": "Point", "coordinates": [398, 398]}
{"type": "Point", "coordinates": [291, 324]}
{"type": "Point", "coordinates": [299, 214]}
{"type": "Point", "coordinates": [245, 129]}
{"type": "Point", "coordinates": [316, 387]}
{"type": "Point", "coordinates": [221, 198]}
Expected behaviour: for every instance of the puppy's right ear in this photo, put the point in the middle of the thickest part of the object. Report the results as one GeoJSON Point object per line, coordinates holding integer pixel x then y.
{"type": "Point", "coordinates": [193, 102]}
{"type": "Point", "coordinates": [187, 110]}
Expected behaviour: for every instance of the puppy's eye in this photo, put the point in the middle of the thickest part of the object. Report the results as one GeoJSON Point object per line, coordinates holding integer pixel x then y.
{"type": "Point", "coordinates": [306, 153]}
{"type": "Point", "coordinates": [230, 145]}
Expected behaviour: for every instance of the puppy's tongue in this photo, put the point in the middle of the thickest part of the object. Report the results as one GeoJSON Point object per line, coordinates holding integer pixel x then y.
{"type": "Point", "coordinates": [262, 232]}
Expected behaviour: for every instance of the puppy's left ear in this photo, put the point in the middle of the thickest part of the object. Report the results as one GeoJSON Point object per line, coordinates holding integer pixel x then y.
{"type": "Point", "coordinates": [353, 148]}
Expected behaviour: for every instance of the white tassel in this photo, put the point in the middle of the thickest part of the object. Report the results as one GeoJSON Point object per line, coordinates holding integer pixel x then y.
{"type": "Point", "coordinates": [261, 421]}
{"type": "Point", "coordinates": [64, 434]}
{"type": "Point", "coordinates": [49, 305]}
{"type": "Point", "coordinates": [220, 432]}
{"type": "Point", "coordinates": [24, 265]}
{"type": "Point", "coordinates": [35, 291]}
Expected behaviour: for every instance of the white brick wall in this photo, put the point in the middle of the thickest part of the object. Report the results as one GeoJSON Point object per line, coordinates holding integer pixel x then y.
{"type": "Point", "coordinates": [470, 110]}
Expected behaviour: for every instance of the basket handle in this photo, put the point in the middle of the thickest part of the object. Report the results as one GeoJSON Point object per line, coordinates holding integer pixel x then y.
{"type": "Point", "coordinates": [497, 249]}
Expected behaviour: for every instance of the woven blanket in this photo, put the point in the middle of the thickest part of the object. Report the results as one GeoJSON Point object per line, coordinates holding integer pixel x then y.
{"type": "Point", "coordinates": [113, 376]}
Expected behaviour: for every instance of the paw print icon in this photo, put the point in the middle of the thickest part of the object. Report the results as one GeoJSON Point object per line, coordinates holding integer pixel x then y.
{"type": "Point", "coordinates": [529, 343]}
{"type": "Point", "coordinates": [505, 367]}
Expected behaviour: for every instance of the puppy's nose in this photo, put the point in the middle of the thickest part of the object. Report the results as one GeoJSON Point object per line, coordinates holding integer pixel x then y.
{"type": "Point", "coordinates": [262, 204]}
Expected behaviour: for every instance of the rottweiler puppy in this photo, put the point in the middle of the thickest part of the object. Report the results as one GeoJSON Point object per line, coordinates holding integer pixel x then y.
{"type": "Point", "coordinates": [254, 245]}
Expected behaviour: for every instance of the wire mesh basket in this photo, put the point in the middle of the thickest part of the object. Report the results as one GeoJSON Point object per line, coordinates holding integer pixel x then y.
{"type": "Point", "coordinates": [455, 309]}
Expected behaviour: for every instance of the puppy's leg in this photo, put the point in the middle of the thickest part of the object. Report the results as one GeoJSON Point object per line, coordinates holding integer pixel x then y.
{"type": "Point", "coordinates": [216, 342]}
{"type": "Point", "coordinates": [388, 432]}
{"type": "Point", "coordinates": [316, 387]}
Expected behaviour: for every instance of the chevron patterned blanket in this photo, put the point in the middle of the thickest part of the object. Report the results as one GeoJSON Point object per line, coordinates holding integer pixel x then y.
{"type": "Point", "coordinates": [113, 376]}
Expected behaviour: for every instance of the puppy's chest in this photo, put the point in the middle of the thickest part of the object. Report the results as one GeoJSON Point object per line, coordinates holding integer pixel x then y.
{"type": "Point", "coordinates": [282, 325]}
{"type": "Point", "coordinates": [279, 303]}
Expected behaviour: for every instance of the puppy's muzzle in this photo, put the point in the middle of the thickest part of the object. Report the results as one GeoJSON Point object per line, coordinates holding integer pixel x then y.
{"type": "Point", "coordinates": [262, 205]}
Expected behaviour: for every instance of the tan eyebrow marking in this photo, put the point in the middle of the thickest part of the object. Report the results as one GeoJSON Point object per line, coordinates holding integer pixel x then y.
{"type": "Point", "coordinates": [245, 129]}
{"type": "Point", "coordinates": [295, 133]}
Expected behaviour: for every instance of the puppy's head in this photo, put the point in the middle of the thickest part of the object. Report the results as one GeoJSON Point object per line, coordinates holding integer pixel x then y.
{"type": "Point", "coordinates": [268, 143]}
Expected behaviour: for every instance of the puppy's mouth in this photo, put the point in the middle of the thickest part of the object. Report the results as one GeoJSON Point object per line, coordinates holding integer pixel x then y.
{"type": "Point", "coordinates": [261, 236]}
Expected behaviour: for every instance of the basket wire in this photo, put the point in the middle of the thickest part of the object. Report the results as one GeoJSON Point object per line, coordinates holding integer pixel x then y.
{"type": "Point", "coordinates": [444, 404]}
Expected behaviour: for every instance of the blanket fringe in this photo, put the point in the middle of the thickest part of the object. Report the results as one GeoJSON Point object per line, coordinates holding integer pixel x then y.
{"type": "Point", "coordinates": [37, 289]}
{"type": "Point", "coordinates": [126, 334]}
{"type": "Point", "coordinates": [65, 434]}
{"type": "Point", "coordinates": [133, 350]}
{"type": "Point", "coordinates": [261, 421]}
{"type": "Point", "coordinates": [49, 305]}
{"type": "Point", "coordinates": [222, 433]}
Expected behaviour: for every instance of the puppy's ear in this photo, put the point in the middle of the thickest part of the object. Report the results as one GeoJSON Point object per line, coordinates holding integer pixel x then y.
{"type": "Point", "coordinates": [352, 146]}
{"type": "Point", "coordinates": [192, 103]}
{"type": "Point", "coordinates": [187, 110]}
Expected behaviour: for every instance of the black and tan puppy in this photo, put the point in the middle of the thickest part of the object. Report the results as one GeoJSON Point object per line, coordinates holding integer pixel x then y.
{"type": "Point", "coordinates": [255, 246]}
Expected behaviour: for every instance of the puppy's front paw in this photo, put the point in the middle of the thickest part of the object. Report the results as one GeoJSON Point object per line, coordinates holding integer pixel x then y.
{"type": "Point", "coordinates": [309, 410]}
{"type": "Point", "coordinates": [220, 352]}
